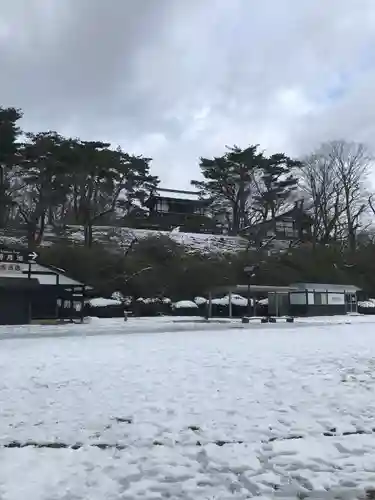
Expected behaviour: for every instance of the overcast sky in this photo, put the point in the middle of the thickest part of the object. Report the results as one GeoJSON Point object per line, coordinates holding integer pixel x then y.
{"type": "Point", "coordinates": [179, 79]}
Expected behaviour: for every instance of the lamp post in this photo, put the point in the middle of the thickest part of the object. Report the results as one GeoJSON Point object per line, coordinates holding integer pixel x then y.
{"type": "Point", "coordinates": [249, 270]}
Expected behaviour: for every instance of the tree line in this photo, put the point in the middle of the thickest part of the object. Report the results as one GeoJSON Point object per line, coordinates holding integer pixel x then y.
{"type": "Point", "coordinates": [332, 182]}
{"type": "Point", "coordinates": [158, 267]}
{"type": "Point", "coordinates": [47, 179]}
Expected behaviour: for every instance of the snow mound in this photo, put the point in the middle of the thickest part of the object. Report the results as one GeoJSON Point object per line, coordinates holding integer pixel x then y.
{"type": "Point", "coordinates": [103, 302]}
{"type": "Point", "coordinates": [237, 300]}
{"type": "Point", "coordinates": [154, 300]}
{"type": "Point", "coordinates": [185, 304]}
{"type": "Point", "coordinates": [367, 304]}
{"type": "Point", "coordinates": [200, 301]}
{"type": "Point", "coordinates": [120, 297]}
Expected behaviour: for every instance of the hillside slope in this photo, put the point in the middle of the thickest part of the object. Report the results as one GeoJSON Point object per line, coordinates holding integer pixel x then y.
{"type": "Point", "coordinates": [122, 237]}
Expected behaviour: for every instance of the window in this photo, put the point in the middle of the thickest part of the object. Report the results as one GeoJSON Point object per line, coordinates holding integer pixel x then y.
{"type": "Point", "coordinates": [162, 205]}
{"type": "Point", "coordinates": [199, 210]}
{"type": "Point", "coordinates": [290, 232]}
{"type": "Point", "coordinates": [297, 298]}
{"type": "Point", "coordinates": [287, 228]}
{"type": "Point", "coordinates": [283, 225]}
{"type": "Point", "coordinates": [180, 207]}
{"type": "Point", "coordinates": [320, 298]}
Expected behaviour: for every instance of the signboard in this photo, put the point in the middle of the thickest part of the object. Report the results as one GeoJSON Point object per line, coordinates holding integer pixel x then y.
{"type": "Point", "coordinates": [336, 299]}
{"type": "Point", "coordinates": [9, 255]}
{"type": "Point", "coordinates": [11, 268]}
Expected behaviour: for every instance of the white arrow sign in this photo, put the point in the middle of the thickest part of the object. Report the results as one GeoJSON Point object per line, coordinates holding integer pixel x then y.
{"type": "Point", "coordinates": [32, 255]}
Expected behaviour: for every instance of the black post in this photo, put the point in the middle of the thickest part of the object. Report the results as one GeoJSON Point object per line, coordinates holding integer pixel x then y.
{"type": "Point", "coordinates": [249, 270]}
{"type": "Point", "coordinates": [83, 303]}
{"type": "Point", "coordinates": [30, 306]}
{"type": "Point", "coordinates": [57, 308]}
{"type": "Point", "coordinates": [254, 307]}
{"type": "Point", "coordinates": [248, 297]}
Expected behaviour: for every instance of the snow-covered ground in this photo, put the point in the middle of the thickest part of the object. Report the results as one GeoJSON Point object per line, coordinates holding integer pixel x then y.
{"type": "Point", "coordinates": [162, 324]}
{"type": "Point", "coordinates": [122, 237]}
{"type": "Point", "coordinates": [224, 411]}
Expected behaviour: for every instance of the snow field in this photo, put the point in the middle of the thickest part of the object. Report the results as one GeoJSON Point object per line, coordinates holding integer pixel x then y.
{"type": "Point", "coordinates": [199, 414]}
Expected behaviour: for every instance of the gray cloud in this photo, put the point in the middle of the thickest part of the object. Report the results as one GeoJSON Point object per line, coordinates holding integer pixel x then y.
{"type": "Point", "coordinates": [175, 80]}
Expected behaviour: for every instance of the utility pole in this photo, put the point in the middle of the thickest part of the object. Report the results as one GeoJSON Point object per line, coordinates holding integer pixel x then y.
{"type": "Point", "coordinates": [249, 270]}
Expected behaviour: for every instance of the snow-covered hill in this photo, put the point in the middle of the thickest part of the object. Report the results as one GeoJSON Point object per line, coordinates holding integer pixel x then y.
{"type": "Point", "coordinates": [122, 237]}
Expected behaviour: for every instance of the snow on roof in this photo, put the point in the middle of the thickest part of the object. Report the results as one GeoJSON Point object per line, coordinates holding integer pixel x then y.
{"type": "Point", "coordinates": [182, 304]}
{"type": "Point", "coordinates": [50, 279]}
{"type": "Point", "coordinates": [323, 287]}
{"type": "Point", "coordinates": [46, 275]}
{"type": "Point", "coordinates": [177, 194]}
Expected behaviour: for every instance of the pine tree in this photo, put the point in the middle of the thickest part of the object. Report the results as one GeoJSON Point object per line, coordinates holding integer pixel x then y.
{"type": "Point", "coordinates": [276, 184]}
{"type": "Point", "coordinates": [229, 181]}
{"type": "Point", "coordinates": [9, 133]}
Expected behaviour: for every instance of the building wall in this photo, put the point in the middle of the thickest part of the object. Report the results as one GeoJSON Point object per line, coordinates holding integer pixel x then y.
{"type": "Point", "coordinates": [278, 304]}
{"type": "Point", "coordinates": [315, 310]}
{"type": "Point", "coordinates": [33, 291]}
{"type": "Point", "coordinates": [322, 303]}
{"type": "Point", "coordinates": [290, 227]}
{"type": "Point", "coordinates": [44, 303]}
{"type": "Point", "coordinates": [14, 307]}
{"type": "Point", "coordinates": [16, 270]}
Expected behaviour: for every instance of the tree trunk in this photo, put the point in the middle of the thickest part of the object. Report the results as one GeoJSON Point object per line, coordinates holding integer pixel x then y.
{"type": "Point", "coordinates": [76, 206]}
{"type": "Point", "coordinates": [51, 217]}
{"type": "Point", "coordinates": [39, 236]}
{"type": "Point", "coordinates": [31, 231]}
{"type": "Point", "coordinates": [3, 198]}
{"type": "Point", "coordinates": [235, 222]}
{"type": "Point", "coordinates": [88, 234]}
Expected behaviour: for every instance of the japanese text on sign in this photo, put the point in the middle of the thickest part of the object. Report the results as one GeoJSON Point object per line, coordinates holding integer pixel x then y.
{"type": "Point", "coordinates": [10, 267]}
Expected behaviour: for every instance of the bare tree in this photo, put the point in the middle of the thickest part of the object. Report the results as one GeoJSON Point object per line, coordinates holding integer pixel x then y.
{"type": "Point", "coordinates": [333, 181]}
{"type": "Point", "coordinates": [319, 186]}
{"type": "Point", "coordinates": [351, 162]}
